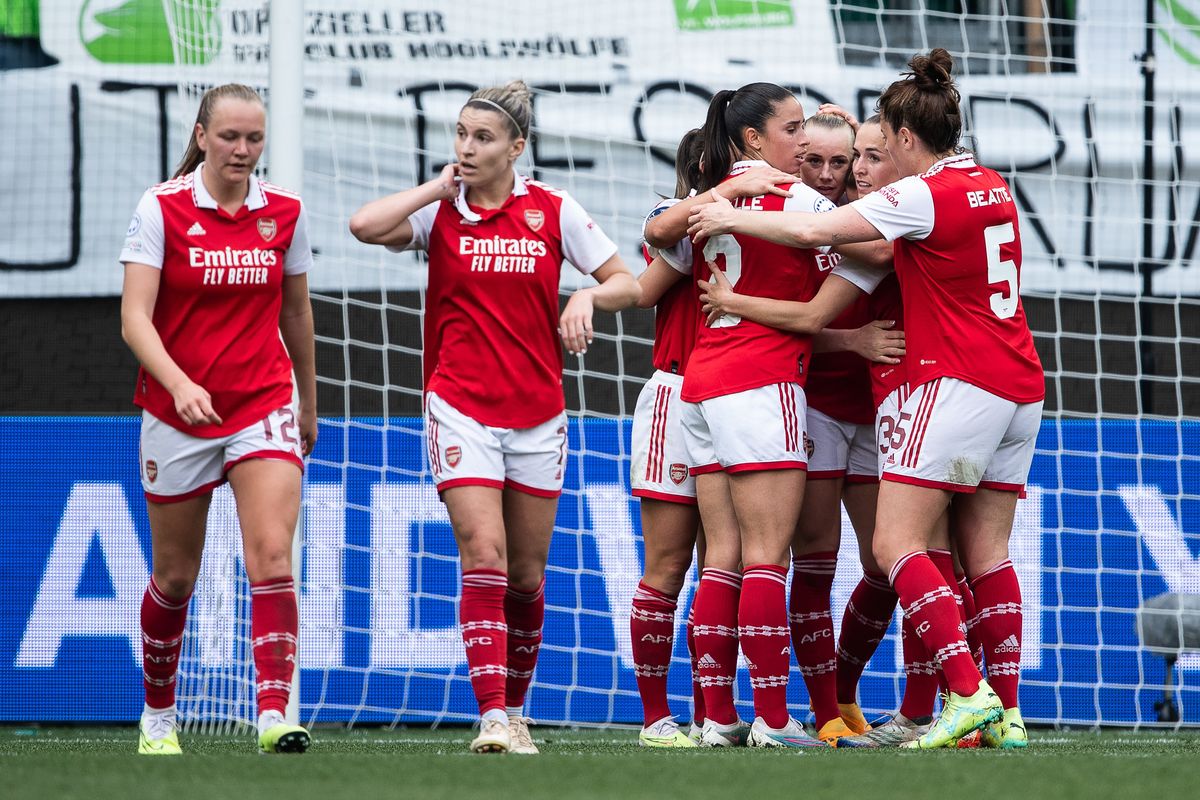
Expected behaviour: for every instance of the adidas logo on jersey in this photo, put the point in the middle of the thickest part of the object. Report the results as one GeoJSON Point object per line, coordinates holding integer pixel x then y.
{"type": "Point", "coordinates": [196, 230]}
{"type": "Point", "coordinates": [707, 662]}
{"type": "Point", "coordinates": [1009, 645]}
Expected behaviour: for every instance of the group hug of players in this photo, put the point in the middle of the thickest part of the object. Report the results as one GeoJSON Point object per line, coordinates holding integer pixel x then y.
{"type": "Point", "coordinates": [783, 273]}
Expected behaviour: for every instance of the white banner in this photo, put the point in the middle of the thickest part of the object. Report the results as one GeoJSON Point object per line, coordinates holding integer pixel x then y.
{"type": "Point", "coordinates": [616, 85]}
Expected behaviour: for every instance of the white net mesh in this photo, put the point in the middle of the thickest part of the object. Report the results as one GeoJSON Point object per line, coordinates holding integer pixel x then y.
{"type": "Point", "coordinates": [1055, 99]}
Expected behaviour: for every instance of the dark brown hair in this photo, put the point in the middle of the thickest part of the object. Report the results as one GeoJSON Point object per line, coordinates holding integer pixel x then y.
{"type": "Point", "coordinates": [688, 177]}
{"type": "Point", "coordinates": [730, 113]}
{"type": "Point", "coordinates": [926, 102]}
{"type": "Point", "coordinates": [194, 155]}
{"type": "Point", "coordinates": [513, 101]}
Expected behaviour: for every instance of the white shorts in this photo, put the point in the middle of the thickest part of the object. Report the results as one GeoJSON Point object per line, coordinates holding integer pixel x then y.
{"type": "Point", "coordinates": [757, 429]}
{"type": "Point", "coordinates": [659, 466]}
{"type": "Point", "coordinates": [841, 449]}
{"type": "Point", "coordinates": [463, 452]}
{"type": "Point", "coordinates": [176, 466]}
{"type": "Point", "coordinates": [949, 434]}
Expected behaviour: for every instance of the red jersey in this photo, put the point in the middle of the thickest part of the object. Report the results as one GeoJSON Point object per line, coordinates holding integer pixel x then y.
{"type": "Point", "coordinates": [735, 354]}
{"type": "Point", "coordinates": [220, 295]}
{"type": "Point", "coordinates": [839, 383]}
{"type": "Point", "coordinates": [884, 303]}
{"type": "Point", "coordinates": [958, 258]}
{"type": "Point", "coordinates": [492, 348]}
{"type": "Point", "coordinates": [677, 313]}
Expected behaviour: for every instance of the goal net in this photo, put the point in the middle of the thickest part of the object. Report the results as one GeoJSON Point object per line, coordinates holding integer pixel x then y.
{"type": "Point", "coordinates": [1057, 98]}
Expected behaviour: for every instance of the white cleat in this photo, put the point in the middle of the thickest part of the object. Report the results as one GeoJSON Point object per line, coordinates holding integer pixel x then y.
{"type": "Point", "coordinates": [493, 737]}
{"type": "Point", "coordinates": [664, 733]}
{"type": "Point", "coordinates": [695, 731]}
{"type": "Point", "coordinates": [715, 734]}
{"type": "Point", "coordinates": [522, 739]}
{"type": "Point", "coordinates": [791, 735]}
{"type": "Point", "coordinates": [893, 733]}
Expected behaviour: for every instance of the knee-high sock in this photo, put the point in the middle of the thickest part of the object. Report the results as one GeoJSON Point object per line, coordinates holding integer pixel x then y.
{"type": "Point", "coordinates": [929, 603]}
{"type": "Point", "coordinates": [652, 636]}
{"type": "Point", "coordinates": [163, 621]}
{"type": "Point", "coordinates": [717, 641]}
{"type": "Point", "coordinates": [921, 675]}
{"type": "Point", "coordinates": [763, 630]}
{"type": "Point", "coordinates": [697, 692]}
{"type": "Point", "coordinates": [274, 623]}
{"type": "Point", "coordinates": [812, 631]}
{"type": "Point", "coordinates": [485, 635]}
{"type": "Point", "coordinates": [970, 611]}
{"type": "Point", "coordinates": [868, 614]}
{"type": "Point", "coordinates": [524, 613]}
{"type": "Point", "coordinates": [998, 621]}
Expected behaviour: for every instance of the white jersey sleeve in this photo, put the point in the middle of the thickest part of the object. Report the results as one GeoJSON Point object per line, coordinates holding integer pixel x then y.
{"type": "Point", "coordinates": [583, 243]}
{"type": "Point", "coordinates": [900, 209]}
{"type": "Point", "coordinates": [865, 278]}
{"type": "Point", "coordinates": [299, 255]}
{"type": "Point", "coordinates": [809, 200]}
{"type": "Point", "coordinates": [144, 239]}
{"type": "Point", "coordinates": [421, 221]}
{"type": "Point", "coordinates": [679, 255]}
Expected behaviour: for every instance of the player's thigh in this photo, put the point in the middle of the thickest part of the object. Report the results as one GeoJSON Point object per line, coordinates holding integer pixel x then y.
{"type": "Point", "coordinates": [177, 532]}
{"type": "Point", "coordinates": [461, 451]}
{"type": "Point", "coordinates": [982, 525]}
{"type": "Point", "coordinates": [528, 526]}
{"type": "Point", "coordinates": [477, 519]}
{"type": "Point", "coordinates": [267, 494]}
{"type": "Point", "coordinates": [819, 528]}
{"type": "Point", "coordinates": [948, 431]}
{"type": "Point", "coordinates": [767, 504]}
{"type": "Point", "coordinates": [659, 463]}
{"type": "Point", "coordinates": [669, 537]}
{"type": "Point", "coordinates": [722, 536]}
{"type": "Point", "coordinates": [905, 520]}
{"type": "Point", "coordinates": [861, 499]}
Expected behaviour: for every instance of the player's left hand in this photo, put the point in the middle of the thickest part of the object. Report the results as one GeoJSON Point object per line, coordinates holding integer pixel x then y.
{"type": "Point", "coordinates": [875, 341]}
{"type": "Point", "coordinates": [711, 219]}
{"type": "Point", "coordinates": [308, 429]}
{"type": "Point", "coordinates": [716, 295]}
{"type": "Point", "coordinates": [575, 324]}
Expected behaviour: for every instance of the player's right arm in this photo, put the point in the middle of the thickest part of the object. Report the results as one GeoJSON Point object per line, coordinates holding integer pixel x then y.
{"type": "Point", "coordinates": [667, 228]}
{"type": "Point", "coordinates": [386, 221]}
{"type": "Point", "coordinates": [836, 294]}
{"type": "Point", "coordinates": [192, 402]}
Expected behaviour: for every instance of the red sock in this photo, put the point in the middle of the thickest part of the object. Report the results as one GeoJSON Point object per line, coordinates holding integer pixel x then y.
{"type": "Point", "coordinates": [921, 675]}
{"type": "Point", "coordinates": [274, 623]}
{"type": "Point", "coordinates": [970, 611]}
{"type": "Point", "coordinates": [524, 613]}
{"type": "Point", "coordinates": [930, 604]}
{"type": "Point", "coordinates": [812, 631]}
{"type": "Point", "coordinates": [944, 561]}
{"type": "Point", "coordinates": [763, 631]}
{"type": "Point", "coordinates": [652, 634]}
{"type": "Point", "coordinates": [868, 614]}
{"type": "Point", "coordinates": [998, 595]}
{"type": "Point", "coordinates": [163, 621]}
{"type": "Point", "coordinates": [717, 641]}
{"type": "Point", "coordinates": [697, 693]}
{"type": "Point", "coordinates": [485, 634]}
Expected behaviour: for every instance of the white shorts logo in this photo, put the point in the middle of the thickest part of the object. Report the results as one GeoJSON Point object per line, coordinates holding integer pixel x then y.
{"type": "Point", "coordinates": [453, 455]}
{"type": "Point", "coordinates": [679, 473]}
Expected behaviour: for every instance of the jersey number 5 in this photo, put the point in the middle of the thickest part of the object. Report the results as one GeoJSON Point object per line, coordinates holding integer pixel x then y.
{"type": "Point", "coordinates": [1001, 270]}
{"type": "Point", "coordinates": [728, 246]}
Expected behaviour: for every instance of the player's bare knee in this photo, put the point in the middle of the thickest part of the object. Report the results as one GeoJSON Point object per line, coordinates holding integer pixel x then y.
{"type": "Point", "coordinates": [174, 583]}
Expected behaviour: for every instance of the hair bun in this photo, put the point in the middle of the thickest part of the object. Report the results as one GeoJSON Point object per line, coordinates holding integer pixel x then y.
{"type": "Point", "coordinates": [519, 90]}
{"type": "Point", "coordinates": [931, 72]}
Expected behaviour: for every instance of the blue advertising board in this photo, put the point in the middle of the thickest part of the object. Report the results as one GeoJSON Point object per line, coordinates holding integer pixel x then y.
{"type": "Point", "coordinates": [1112, 518]}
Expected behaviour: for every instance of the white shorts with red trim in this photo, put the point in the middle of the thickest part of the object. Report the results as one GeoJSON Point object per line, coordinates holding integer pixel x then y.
{"type": "Point", "coordinates": [840, 449]}
{"type": "Point", "coordinates": [757, 429]}
{"type": "Point", "coordinates": [949, 434]}
{"type": "Point", "coordinates": [463, 452]}
{"type": "Point", "coordinates": [176, 466]}
{"type": "Point", "coordinates": [659, 466]}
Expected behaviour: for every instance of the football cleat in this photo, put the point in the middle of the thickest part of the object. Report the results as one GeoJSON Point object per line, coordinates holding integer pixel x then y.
{"type": "Point", "coordinates": [494, 736]}
{"type": "Point", "coordinates": [664, 733]}
{"type": "Point", "coordinates": [695, 731]}
{"type": "Point", "coordinates": [791, 735]}
{"type": "Point", "coordinates": [277, 736]}
{"type": "Point", "coordinates": [852, 715]}
{"type": "Point", "coordinates": [893, 733]}
{"type": "Point", "coordinates": [157, 736]}
{"type": "Point", "coordinates": [833, 731]}
{"type": "Point", "coordinates": [1007, 734]}
{"type": "Point", "coordinates": [520, 737]}
{"type": "Point", "coordinates": [960, 716]}
{"type": "Point", "coordinates": [715, 734]}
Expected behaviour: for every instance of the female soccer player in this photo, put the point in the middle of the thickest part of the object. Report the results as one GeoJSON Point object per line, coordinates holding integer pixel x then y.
{"type": "Point", "coordinates": [827, 161]}
{"type": "Point", "coordinates": [743, 419]}
{"type": "Point", "coordinates": [494, 411]}
{"type": "Point", "coordinates": [216, 309]}
{"type": "Point", "coordinates": [977, 384]}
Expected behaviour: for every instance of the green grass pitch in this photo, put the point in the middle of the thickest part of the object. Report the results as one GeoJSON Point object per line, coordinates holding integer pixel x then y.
{"type": "Point", "coordinates": [60, 763]}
